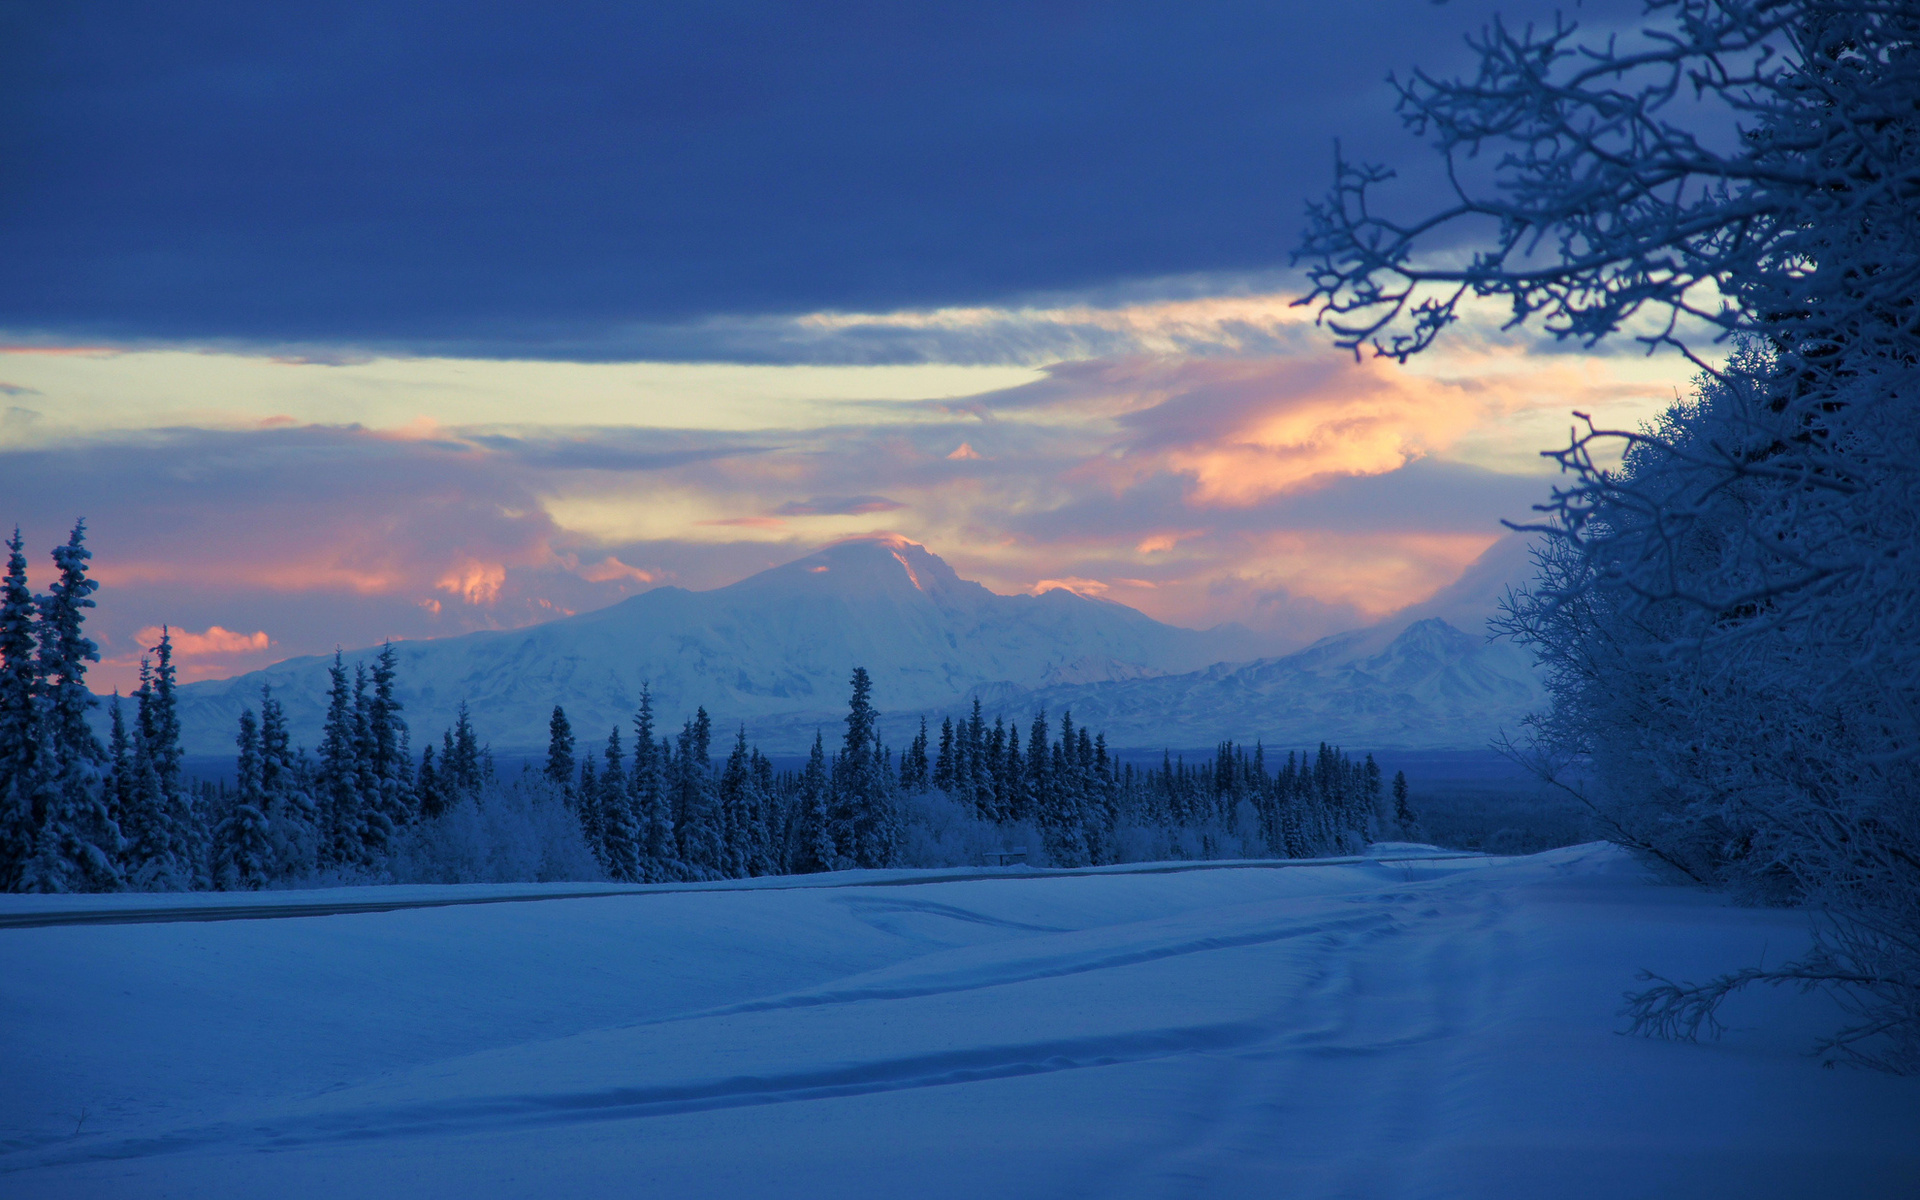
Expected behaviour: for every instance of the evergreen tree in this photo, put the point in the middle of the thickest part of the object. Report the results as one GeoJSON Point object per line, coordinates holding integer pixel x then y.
{"type": "Point", "coordinates": [286, 791]}
{"type": "Point", "coordinates": [560, 766]}
{"type": "Point", "coordinates": [390, 755]}
{"type": "Point", "coordinates": [658, 845]}
{"type": "Point", "coordinates": [619, 832]}
{"type": "Point", "coordinates": [119, 782]}
{"type": "Point", "coordinates": [866, 828]}
{"type": "Point", "coordinates": [243, 856]}
{"type": "Point", "coordinates": [815, 848]}
{"type": "Point", "coordinates": [738, 811]}
{"type": "Point", "coordinates": [77, 844]}
{"type": "Point", "coordinates": [943, 765]}
{"type": "Point", "coordinates": [461, 765]}
{"type": "Point", "coordinates": [695, 817]}
{"type": "Point", "coordinates": [374, 826]}
{"type": "Point", "coordinates": [1403, 814]}
{"type": "Point", "coordinates": [340, 772]}
{"type": "Point", "coordinates": [22, 745]}
{"type": "Point", "coordinates": [163, 853]}
{"type": "Point", "coordinates": [584, 797]}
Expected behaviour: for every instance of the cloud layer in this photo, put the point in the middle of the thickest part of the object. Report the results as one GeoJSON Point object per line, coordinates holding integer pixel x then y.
{"type": "Point", "coordinates": [645, 180]}
{"type": "Point", "coordinates": [1298, 495]}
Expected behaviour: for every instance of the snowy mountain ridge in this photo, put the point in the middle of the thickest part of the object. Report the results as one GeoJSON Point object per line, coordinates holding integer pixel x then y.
{"type": "Point", "coordinates": [779, 644]}
{"type": "Point", "coordinates": [1422, 685]}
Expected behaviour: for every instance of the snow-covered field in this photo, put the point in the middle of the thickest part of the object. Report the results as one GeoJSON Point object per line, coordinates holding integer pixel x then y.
{"type": "Point", "coordinates": [1359, 1029]}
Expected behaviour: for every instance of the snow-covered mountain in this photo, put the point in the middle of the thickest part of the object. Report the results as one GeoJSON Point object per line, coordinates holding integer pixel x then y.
{"type": "Point", "coordinates": [1408, 685]}
{"type": "Point", "coordinates": [780, 644]}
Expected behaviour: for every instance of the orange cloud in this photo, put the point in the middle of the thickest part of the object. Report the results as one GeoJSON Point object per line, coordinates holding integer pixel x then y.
{"type": "Point", "coordinates": [610, 569]}
{"type": "Point", "coordinates": [965, 451]}
{"type": "Point", "coordinates": [215, 641]}
{"type": "Point", "coordinates": [477, 582]}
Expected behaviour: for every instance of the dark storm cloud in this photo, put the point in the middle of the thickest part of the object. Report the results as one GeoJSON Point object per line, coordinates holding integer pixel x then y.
{"type": "Point", "coordinates": [643, 179]}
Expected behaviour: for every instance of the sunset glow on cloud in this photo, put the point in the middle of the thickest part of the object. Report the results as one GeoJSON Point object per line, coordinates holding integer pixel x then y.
{"type": "Point", "coordinates": [1296, 493]}
{"type": "Point", "coordinates": [1055, 342]}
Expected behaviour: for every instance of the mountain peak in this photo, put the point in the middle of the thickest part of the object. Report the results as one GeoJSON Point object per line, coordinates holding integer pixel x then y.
{"type": "Point", "coordinates": [884, 562]}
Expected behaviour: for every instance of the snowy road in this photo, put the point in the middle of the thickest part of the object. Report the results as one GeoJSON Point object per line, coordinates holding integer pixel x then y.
{"type": "Point", "coordinates": [29, 912]}
{"type": "Point", "coordinates": [1407, 1029]}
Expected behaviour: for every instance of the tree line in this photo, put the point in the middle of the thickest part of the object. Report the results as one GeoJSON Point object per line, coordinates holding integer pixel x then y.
{"type": "Point", "coordinates": [656, 806]}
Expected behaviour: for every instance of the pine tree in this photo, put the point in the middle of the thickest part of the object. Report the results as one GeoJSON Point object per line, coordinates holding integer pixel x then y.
{"type": "Point", "coordinates": [695, 817]}
{"type": "Point", "coordinates": [1403, 814]}
{"type": "Point", "coordinates": [658, 846]}
{"type": "Point", "coordinates": [165, 851]}
{"type": "Point", "coordinates": [619, 831]}
{"type": "Point", "coordinates": [738, 811]}
{"type": "Point", "coordinates": [340, 772]}
{"type": "Point", "coordinates": [943, 765]}
{"type": "Point", "coordinates": [560, 768]}
{"type": "Point", "coordinates": [866, 827]}
{"type": "Point", "coordinates": [374, 826]}
{"type": "Point", "coordinates": [77, 843]}
{"type": "Point", "coordinates": [242, 843]}
{"type": "Point", "coordinates": [584, 796]}
{"type": "Point", "coordinates": [391, 756]}
{"type": "Point", "coordinates": [815, 848]}
{"type": "Point", "coordinates": [286, 791]}
{"type": "Point", "coordinates": [22, 746]}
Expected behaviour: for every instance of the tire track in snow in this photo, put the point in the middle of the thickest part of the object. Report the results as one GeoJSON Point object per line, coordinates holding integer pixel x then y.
{"type": "Point", "coordinates": [1373, 1025]}
{"type": "Point", "coordinates": [940, 1069]}
{"type": "Point", "coordinates": [1041, 963]}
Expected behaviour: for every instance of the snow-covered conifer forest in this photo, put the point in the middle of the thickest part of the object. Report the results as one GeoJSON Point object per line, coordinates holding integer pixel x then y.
{"type": "Point", "coordinates": [655, 805]}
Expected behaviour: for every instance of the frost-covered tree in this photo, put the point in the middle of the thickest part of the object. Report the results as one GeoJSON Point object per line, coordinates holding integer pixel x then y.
{"type": "Point", "coordinates": [620, 845]}
{"type": "Point", "coordinates": [864, 825]}
{"type": "Point", "coordinates": [339, 771]}
{"type": "Point", "coordinates": [696, 815]}
{"type": "Point", "coordinates": [243, 852]}
{"type": "Point", "coordinates": [23, 750]}
{"type": "Point", "coordinates": [814, 846]}
{"type": "Point", "coordinates": [390, 755]}
{"type": "Point", "coordinates": [77, 843]}
{"type": "Point", "coordinates": [657, 845]}
{"type": "Point", "coordinates": [165, 846]}
{"type": "Point", "coordinates": [1731, 618]}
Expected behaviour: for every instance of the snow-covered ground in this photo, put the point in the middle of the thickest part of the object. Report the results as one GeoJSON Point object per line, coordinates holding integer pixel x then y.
{"type": "Point", "coordinates": [1359, 1029]}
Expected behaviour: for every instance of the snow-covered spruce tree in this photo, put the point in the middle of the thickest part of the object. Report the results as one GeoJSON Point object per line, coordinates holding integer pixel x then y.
{"type": "Point", "coordinates": [77, 845]}
{"type": "Point", "coordinates": [865, 825]}
{"type": "Point", "coordinates": [339, 774]}
{"type": "Point", "coordinates": [739, 811]}
{"type": "Point", "coordinates": [657, 847]}
{"type": "Point", "coordinates": [1759, 551]}
{"type": "Point", "coordinates": [814, 848]}
{"type": "Point", "coordinates": [165, 846]}
{"type": "Point", "coordinates": [619, 831]}
{"type": "Point", "coordinates": [286, 791]}
{"type": "Point", "coordinates": [696, 815]}
{"type": "Point", "coordinates": [390, 754]}
{"type": "Point", "coordinates": [243, 853]}
{"type": "Point", "coordinates": [23, 751]}
{"type": "Point", "coordinates": [375, 827]}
